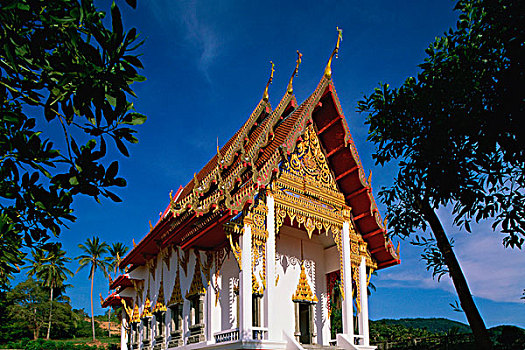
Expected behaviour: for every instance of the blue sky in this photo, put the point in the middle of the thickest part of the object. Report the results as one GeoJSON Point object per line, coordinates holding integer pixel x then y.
{"type": "Point", "coordinates": [207, 64]}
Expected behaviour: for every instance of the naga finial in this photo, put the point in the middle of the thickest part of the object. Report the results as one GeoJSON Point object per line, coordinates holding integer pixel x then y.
{"type": "Point", "coordinates": [219, 155]}
{"type": "Point", "coordinates": [328, 69]}
{"type": "Point", "coordinates": [297, 63]}
{"type": "Point", "coordinates": [265, 94]}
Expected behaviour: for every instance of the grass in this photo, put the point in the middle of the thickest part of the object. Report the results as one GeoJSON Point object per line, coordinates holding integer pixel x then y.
{"type": "Point", "coordinates": [104, 340]}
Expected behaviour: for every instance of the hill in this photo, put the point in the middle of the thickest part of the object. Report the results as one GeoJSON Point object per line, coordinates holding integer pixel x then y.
{"type": "Point", "coordinates": [433, 325]}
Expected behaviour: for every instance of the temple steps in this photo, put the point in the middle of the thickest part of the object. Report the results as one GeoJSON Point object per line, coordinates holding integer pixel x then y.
{"type": "Point", "coordinates": [320, 347]}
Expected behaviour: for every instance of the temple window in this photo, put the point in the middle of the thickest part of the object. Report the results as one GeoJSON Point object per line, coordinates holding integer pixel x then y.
{"type": "Point", "coordinates": [196, 310]}
{"type": "Point", "coordinates": [256, 310]}
{"type": "Point", "coordinates": [176, 325]}
{"type": "Point", "coordinates": [176, 304]}
{"type": "Point", "coordinates": [195, 296]}
{"type": "Point", "coordinates": [176, 317]}
{"type": "Point", "coordinates": [196, 319]}
{"type": "Point", "coordinates": [135, 334]}
{"type": "Point", "coordinates": [146, 331]}
{"type": "Point", "coordinates": [257, 293]}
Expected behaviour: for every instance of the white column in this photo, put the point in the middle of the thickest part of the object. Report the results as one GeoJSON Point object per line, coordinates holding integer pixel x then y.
{"type": "Point", "coordinates": [123, 332]}
{"type": "Point", "coordinates": [208, 310]}
{"type": "Point", "coordinates": [346, 275]}
{"type": "Point", "coordinates": [270, 312]}
{"type": "Point", "coordinates": [245, 285]}
{"type": "Point", "coordinates": [363, 316]}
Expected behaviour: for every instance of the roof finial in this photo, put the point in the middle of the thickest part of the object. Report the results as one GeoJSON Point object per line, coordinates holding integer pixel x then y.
{"type": "Point", "coordinates": [328, 69]}
{"type": "Point", "coordinates": [219, 155]}
{"type": "Point", "coordinates": [297, 63]}
{"type": "Point", "coordinates": [265, 95]}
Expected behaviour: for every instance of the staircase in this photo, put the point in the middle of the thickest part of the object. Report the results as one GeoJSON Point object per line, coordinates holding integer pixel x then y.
{"type": "Point", "coordinates": [321, 347]}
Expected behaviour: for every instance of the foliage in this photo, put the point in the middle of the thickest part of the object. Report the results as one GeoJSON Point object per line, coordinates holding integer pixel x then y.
{"type": "Point", "coordinates": [508, 337]}
{"type": "Point", "coordinates": [453, 133]}
{"type": "Point", "coordinates": [30, 296]}
{"type": "Point", "coordinates": [432, 325]}
{"type": "Point", "coordinates": [28, 306]}
{"type": "Point", "coordinates": [116, 252]}
{"type": "Point", "coordinates": [50, 268]}
{"type": "Point", "coordinates": [62, 70]}
{"type": "Point", "coordinates": [381, 331]}
{"type": "Point", "coordinates": [438, 333]}
{"type": "Point", "coordinates": [453, 129]}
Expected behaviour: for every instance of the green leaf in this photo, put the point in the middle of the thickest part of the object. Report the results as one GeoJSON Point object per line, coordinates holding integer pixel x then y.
{"type": "Point", "coordinates": [112, 170]}
{"type": "Point", "coordinates": [134, 61]}
{"type": "Point", "coordinates": [73, 181]}
{"type": "Point", "coordinates": [134, 119]}
{"type": "Point", "coordinates": [116, 21]}
{"type": "Point", "coordinates": [121, 147]}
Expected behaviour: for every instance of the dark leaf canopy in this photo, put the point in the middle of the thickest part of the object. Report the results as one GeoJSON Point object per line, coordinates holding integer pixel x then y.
{"type": "Point", "coordinates": [60, 63]}
{"type": "Point", "coordinates": [456, 130]}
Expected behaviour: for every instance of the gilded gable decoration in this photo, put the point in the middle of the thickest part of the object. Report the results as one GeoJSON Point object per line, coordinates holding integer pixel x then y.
{"type": "Point", "coordinates": [309, 163]}
{"type": "Point", "coordinates": [304, 293]}
{"type": "Point", "coordinates": [306, 191]}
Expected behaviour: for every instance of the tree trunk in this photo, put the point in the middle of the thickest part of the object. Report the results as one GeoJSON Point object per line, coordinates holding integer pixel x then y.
{"type": "Point", "coordinates": [36, 329]}
{"type": "Point", "coordinates": [50, 313]}
{"type": "Point", "coordinates": [475, 321]}
{"type": "Point", "coordinates": [92, 315]}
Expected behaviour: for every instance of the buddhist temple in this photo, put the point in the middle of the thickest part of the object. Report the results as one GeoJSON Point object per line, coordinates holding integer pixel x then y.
{"type": "Point", "coordinates": [270, 245]}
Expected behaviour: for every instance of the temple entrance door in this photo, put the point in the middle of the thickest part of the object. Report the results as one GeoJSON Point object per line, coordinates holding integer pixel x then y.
{"type": "Point", "coordinates": [304, 323]}
{"type": "Point", "coordinates": [336, 309]}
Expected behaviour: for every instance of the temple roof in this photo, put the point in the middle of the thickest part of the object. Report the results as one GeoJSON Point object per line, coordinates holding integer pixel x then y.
{"type": "Point", "coordinates": [251, 159]}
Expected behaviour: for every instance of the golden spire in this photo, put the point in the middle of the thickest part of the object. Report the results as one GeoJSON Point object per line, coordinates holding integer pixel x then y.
{"type": "Point", "coordinates": [304, 291]}
{"type": "Point", "coordinates": [297, 63]}
{"type": "Point", "coordinates": [265, 94]}
{"type": "Point", "coordinates": [328, 69]}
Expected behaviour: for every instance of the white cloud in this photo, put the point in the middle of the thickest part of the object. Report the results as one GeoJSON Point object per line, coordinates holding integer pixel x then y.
{"type": "Point", "coordinates": [199, 34]}
{"type": "Point", "coordinates": [492, 271]}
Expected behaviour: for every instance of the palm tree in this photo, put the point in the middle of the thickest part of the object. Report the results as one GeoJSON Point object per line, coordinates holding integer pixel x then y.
{"type": "Point", "coordinates": [116, 252]}
{"type": "Point", "coordinates": [49, 267]}
{"type": "Point", "coordinates": [94, 252]}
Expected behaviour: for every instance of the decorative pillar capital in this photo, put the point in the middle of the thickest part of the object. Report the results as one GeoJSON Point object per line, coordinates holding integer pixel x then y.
{"type": "Point", "coordinates": [346, 213]}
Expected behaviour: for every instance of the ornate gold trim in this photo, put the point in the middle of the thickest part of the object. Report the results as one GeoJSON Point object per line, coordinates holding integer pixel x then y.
{"type": "Point", "coordinates": [304, 293]}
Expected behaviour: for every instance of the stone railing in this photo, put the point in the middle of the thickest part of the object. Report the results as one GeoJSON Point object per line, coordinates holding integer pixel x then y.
{"type": "Point", "coordinates": [228, 335]}
{"type": "Point", "coordinates": [259, 333]}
